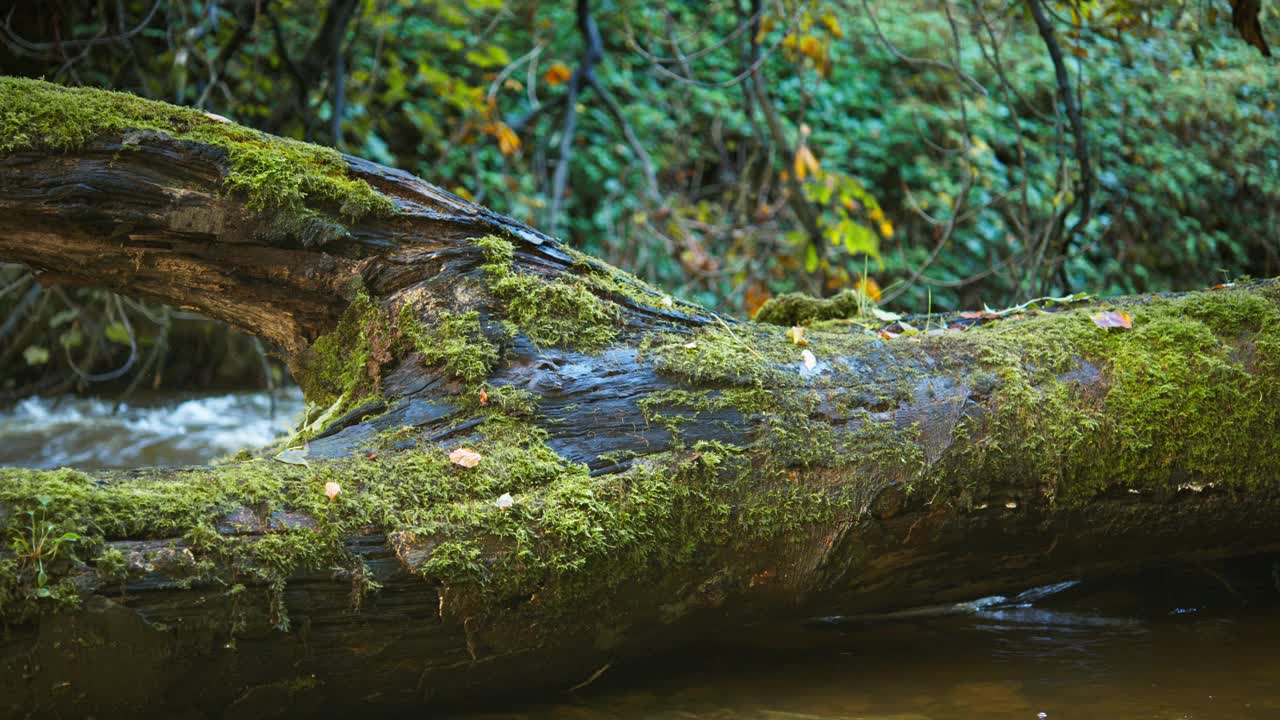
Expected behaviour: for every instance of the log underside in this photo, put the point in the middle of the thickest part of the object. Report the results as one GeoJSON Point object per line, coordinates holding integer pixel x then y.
{"type": "Point", "coordinates": [676, 475]}
{"type": "Point", "coordinates": [156, 650]}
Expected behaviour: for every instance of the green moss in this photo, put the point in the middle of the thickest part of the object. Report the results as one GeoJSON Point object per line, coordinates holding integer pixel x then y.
{"type": "Point", "coordinates": [557, 312]}
{"type": "Point", "coordinates": [752, 354]}
{"type": "Point", "coordinates": [622, 286]}
{"type": "Point", "coordinates": [1182, 390]}
{"type": "Point", "coordinates": [273, 173]}
{"type": "Point", "coordinates": [568, 534]}
{"type": "Point", "coordinates": [800, 309]}
{"type": "Point", "coordinates": [339, 365]}
{"type": "Point", "coordinates": [1178, 392]}
{"type": "Point", "coordinates": [456, 341]}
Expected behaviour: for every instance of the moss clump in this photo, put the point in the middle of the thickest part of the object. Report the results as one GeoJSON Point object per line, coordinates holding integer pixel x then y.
{"type": "Point", "coordinates": [342, 365]}
{"type": "Point", "coordinates": [1190, 396]}
{"type": "Point", "coordinates": [273, 173]}
{"type": "Point", "coordinates": [800, 309]}
{"type": "Point", "coordinates": [456, 341]}
{"type": "Point", "coordinates": [560, 312]}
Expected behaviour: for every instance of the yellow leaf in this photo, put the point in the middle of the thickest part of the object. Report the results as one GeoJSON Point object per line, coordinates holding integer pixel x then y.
{"type": "Point", "coordinates": [805, 162]}
{"type": "Point", "coordinates": [466, 457]}
{"type": "Point", "coordinates": [833, 26]}
{"type": "Point", "coordinates": [886, 229]}
{"type": "Point", "coordinates": [557, 73]}
{"type": "Point", "coordinates": [810, 48]}
{"type": "Point", "coordinates": [331, 490]}
{"type": "Point", "coordinates": [508, 141]}
{"type": "Point", "coordinates": [796, 335]}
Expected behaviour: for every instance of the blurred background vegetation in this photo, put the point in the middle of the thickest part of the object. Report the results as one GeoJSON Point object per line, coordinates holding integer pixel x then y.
{"type": "Point", "coordinates": [932, 154]}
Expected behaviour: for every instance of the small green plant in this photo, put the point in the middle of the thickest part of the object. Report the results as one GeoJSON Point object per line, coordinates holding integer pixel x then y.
{"type": "Point", "coordinates": [40, 545]}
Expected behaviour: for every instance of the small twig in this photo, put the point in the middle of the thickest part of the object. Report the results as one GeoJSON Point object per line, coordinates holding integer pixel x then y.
{"type": "Point", "coordinates": [594, 676]}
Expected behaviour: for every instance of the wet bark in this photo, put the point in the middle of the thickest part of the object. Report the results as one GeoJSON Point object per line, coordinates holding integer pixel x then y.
{"type": "Point", "coordinates": [972, 510]}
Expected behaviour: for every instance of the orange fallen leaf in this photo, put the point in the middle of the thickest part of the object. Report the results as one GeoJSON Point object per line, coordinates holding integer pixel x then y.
{"type": "Point", "coordinates": [484, 397]}
{"type": "Point", "coordinates": [466, 457]}
{"type": "Point", "coordinates": [331, 490]}
{"type": "Point", "coordinates": [1113, 320]}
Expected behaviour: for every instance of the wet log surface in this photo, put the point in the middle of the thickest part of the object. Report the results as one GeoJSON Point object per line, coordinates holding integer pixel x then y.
{"type": "Point", "coordinates": [923, 469]}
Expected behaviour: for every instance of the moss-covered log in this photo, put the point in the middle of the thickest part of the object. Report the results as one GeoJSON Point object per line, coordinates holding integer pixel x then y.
{"type": "Point", "coordinates": [522, 464]}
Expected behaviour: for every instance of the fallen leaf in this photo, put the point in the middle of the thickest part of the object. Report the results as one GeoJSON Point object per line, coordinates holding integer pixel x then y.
{"type": "Point", "coordinates": [884, 315]}
{"type": "Point", "coordinates": [886, 335]}
{"type": "Point", "coordinates": [796, 335]}
{"type": "Point", "coordinates": [331, 490]}
{"type": "Point", "coordinates": [504, 501]}
{"type": "Point", "coordinates": [294, 456]}
{"type": "Point", "coordinates": [466, 457]}
{"type": "Point", "coordinates": [691, 345]}
{"type": "Point", "coordinates": [810, 362]}
{"type": "Point", "coordinates": [1113, 320]}
{"type": "Point", "coordinates": [484, 397]}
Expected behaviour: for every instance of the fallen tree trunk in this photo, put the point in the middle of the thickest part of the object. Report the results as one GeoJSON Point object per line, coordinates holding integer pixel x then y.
{"type": "Point", "coordinates": [522, 464]}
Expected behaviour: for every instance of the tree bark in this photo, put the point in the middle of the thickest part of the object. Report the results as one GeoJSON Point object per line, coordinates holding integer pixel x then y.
{"type": "Point", "coordinates": [647, 473]}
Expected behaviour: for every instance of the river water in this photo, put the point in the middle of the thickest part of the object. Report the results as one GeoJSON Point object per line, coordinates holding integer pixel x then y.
{"type": "Point", "coordinates": [1195, 642]}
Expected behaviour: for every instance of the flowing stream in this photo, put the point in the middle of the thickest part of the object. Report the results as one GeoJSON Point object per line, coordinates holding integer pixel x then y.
{"type": "Point", "coordinates": [1182, 643]}
{"type": "Point", "coordinates": [159, 430]}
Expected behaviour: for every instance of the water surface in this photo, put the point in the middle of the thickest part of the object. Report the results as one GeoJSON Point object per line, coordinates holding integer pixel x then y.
{"type": "Point", "coordinates": [94, 434]}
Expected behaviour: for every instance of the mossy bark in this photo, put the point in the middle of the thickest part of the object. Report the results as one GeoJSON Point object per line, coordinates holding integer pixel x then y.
{"type": "Point", "coordinates": [671, 474]}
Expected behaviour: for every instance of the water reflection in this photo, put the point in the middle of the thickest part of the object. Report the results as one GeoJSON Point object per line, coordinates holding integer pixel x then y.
{"type": "Point", "coordinates": [90, 433]}
{"type": "Point", "coordinates": [1098, 653]}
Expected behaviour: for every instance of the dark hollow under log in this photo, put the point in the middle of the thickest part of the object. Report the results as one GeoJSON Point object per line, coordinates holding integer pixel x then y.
{"type": "Point", "coordinates": [641, 472]}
